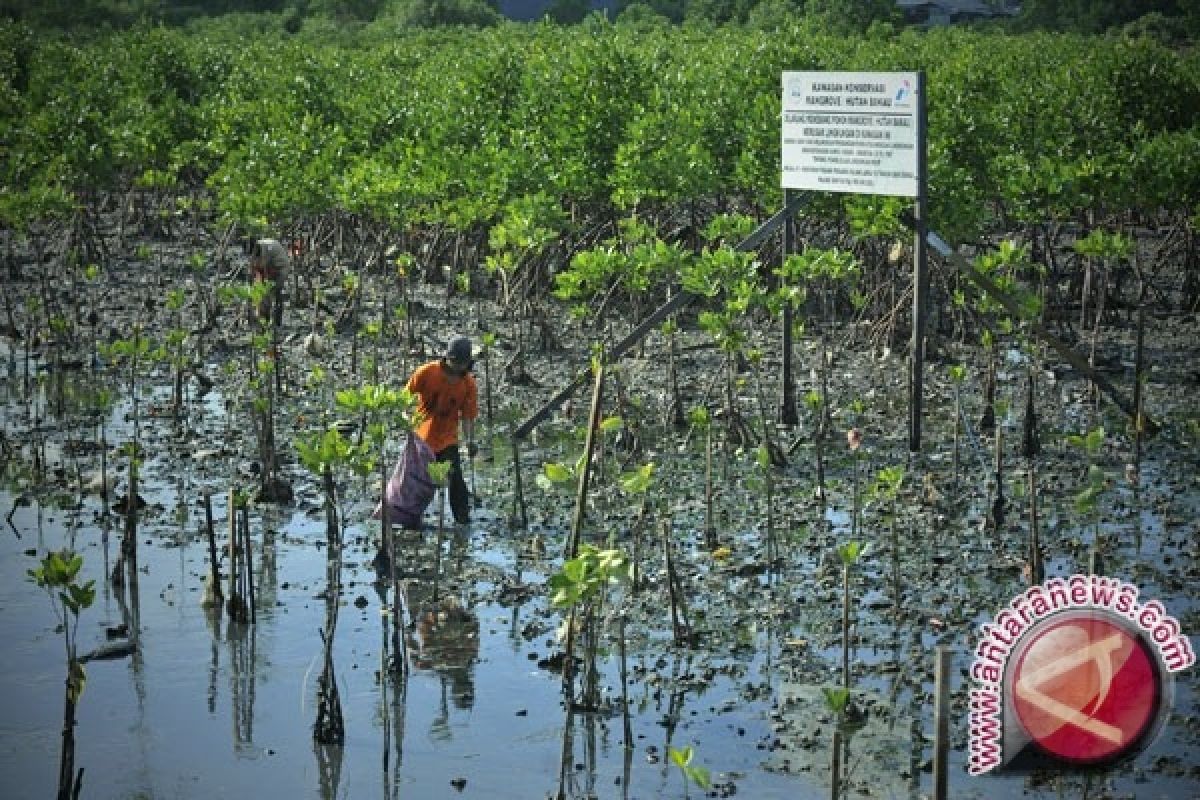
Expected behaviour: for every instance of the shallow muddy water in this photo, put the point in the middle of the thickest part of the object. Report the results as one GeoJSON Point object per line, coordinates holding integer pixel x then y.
{"type": "Point", "coordinates": [207, 708]}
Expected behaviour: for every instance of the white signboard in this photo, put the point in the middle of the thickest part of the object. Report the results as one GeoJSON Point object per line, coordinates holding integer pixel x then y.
{"type": "Point", "coordinates": [851, 132]}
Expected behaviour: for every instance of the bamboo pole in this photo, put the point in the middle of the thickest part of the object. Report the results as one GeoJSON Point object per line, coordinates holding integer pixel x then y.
{"type": "Point", "coordinates": [941, 713]}
{"type": "Point", "coordinates": [1079, 362]}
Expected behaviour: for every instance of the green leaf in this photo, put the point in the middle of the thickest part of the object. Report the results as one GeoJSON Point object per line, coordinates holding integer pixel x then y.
{"type": "Point", "coordinates": [76, 680]}
{"type": "Point", "coordinates": [637, 481]}
{"type": "Point", "coordinates": [836, 698]}
{"type": "Point", "coordinates": [557, 473]}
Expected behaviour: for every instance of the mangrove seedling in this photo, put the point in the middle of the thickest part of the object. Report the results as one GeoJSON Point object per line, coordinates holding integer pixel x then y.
{"type": "Point", "coordinates": [637, 483]}
{"type": "Point", "coordinates": [1095, 482]}
{"type": "Point", "coordinates": [849, 553]}
{"type": "Point", "coordinates": [439, 474]}
{"type": "Point", "coordinates": [58, 575]}
{"type": "Point", "coordinates": [581, 585]}
{"type": "Point", "coordinates": [699, 419]}
{"type": "Point", "coordinates": [958, 376]}
{"type": "Point", "coordinates": [854, 440]}
{"type": "Point", "coordinates": [692, 773]}
{"type": "Point", "coordinates": [887, 488]}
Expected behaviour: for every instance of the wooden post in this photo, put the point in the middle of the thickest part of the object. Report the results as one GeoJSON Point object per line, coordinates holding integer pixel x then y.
{"type": "Point", "coordinates": [233, 550]}
{"type": "Point", "coordinates": [214, 561]}
{"type": "Point", "coordinates": [585, 465]}
{"type": "Point", "coordinates": [983, 283]}
{"type": "Point", "coordinates": [787, 408]}
{"type": "Point", "coordinates": [518, 517]}
{"type": "Point", "coordinates": [920, 281]}
{"type": "Point", "coordinates": [249, 553]}
{"type": "Point", "coordinates": [941, 714]}
{"type": "Point", "coordinates": [835, 766]}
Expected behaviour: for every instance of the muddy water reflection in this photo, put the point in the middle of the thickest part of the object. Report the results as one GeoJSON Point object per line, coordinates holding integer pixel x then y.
{"type": "Point", "coordinates": [208, 708]}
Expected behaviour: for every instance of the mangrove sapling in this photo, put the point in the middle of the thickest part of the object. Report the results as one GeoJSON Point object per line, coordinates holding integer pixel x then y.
{"type": "Point", "coordinates": [699, 418]}
{"type": "Point", "coordinates": [691, 773]}
{"type": "Point", "coordinates": [439, 475]}
{"type": "Point", "coordinates": [320, 454]}
{"type": "Point", "coordinates": [887, 488]}
{"type": "Point", "coordinates": [850, 554]}
{"type": "Point", "coordinates": [848, 720]}
{"type": "Point", "coordinates": [1094, 484]}
{"type": "Point", "coordinates": [395, 663]}
{"type": "Point", "coordinates": [487, 341]}
{"type": "Point", "coordinates": [995, 518]}
{"type": "Point", "coordinates": [958, 376]}
{"type": "Point", "coordinates": [1139, 384]}
{"type": "Point", "coordinates": [681, 628]}
{"type": "Point", "coordinates": [518, 516]}
{"type": "Point", "coordinates": [675, 413]}
{"type": "Point", "coordinates": [854, 441]}
{"type": "Point", "coordinates": [814, 402]}
{"type": "Point", "coordinates": [173, 351]}
{"type": "Point", "coordinates": [987, 418]}
{"type": "Point", "coordinates": [1100, 251]}
{"type": "Point", "coordinates": [580, 587]}
{"type": "Point", "coordinates": [773, 450]}
{"type": "Point", "coordinates": [58, 575]}
{"type": "Point", "coordinates": [762, 479]}
{"type": "Point", "coordinates": [638, 483]}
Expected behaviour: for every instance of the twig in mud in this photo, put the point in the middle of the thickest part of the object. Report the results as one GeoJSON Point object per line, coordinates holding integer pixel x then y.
{"type": "Point", "coordinates": [8, 519]}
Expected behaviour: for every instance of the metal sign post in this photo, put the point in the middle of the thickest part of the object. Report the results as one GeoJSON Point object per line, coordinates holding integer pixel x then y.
{"type": "Point", "coordinates": [920, 281]}
{"type": "Point", "coordinates": [864, 133]}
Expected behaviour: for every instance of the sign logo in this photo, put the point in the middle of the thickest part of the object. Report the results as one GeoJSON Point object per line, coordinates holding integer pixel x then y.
{"type": "Point", "coordinates": [1075, 672]}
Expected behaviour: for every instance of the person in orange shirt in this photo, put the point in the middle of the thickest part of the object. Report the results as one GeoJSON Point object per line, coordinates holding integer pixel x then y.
{"type": "Point", "coordinates": [449, 396]}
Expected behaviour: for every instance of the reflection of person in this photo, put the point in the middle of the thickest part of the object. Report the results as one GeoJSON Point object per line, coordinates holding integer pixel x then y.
{"type": "Point", "coordinates": [448, 395]}
{"type": "Point", "coordinates": [268, 261]}
{"type": "Point", "coordinates": [447, 642]}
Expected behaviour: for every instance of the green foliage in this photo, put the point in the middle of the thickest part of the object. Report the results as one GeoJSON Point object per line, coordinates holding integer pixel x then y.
{"type": "Point", "coordinates": [584, 577]}
{"type": "Point", "coordinates": [532, 130]}
{"type": "Point", "coordinates": [58, 574]}
{"type": "Point", "coordinates": [1104, 245]}
{"type": "Point", "coordinates": [325, 449]}
{"type": "Point", "coordinates": [852, 15]}
{"type": "Point", "coordinates": [887, 483]}
{"type": "Point", "coordinates": [1091, 442]}
{"type": "Point", "coordinates": [1095, 484]}
{"type": "Point", "coordinates": [555, 474]}
{"type": "Point", "coordinates": [638, 481]}
{"type": "Point", "coordinates": [439, 472]}
{"type": "Point", "coordinates": [851, 552]}
{"type": "Point", "coordinates": [836, 698]}
{"type": "Point", "coordinates": [692, 773]}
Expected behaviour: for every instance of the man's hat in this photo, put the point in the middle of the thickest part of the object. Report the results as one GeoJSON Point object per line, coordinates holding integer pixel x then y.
{"type": "Point", "coordinates": [458, 350]}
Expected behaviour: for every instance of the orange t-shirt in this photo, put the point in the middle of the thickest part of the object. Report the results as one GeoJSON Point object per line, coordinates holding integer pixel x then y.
{"type": "Point", "coordinates": [444, 401]}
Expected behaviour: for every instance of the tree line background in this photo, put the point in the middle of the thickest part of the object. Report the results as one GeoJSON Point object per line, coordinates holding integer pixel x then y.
{"type": "Point", "coordinates": [1173, 20]}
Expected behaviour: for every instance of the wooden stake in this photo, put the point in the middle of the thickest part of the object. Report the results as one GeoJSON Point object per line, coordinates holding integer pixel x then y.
{"type": "Point", "coordinates": [941, 714]}
{"type": "Point", "coordinates": [214, 562]}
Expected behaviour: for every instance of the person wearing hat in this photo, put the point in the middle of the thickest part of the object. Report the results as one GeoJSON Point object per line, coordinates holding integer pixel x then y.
{"type": "Point", "coordinates": [449, 396]}
{"type": "Point", "coordinates": [269, 261]}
